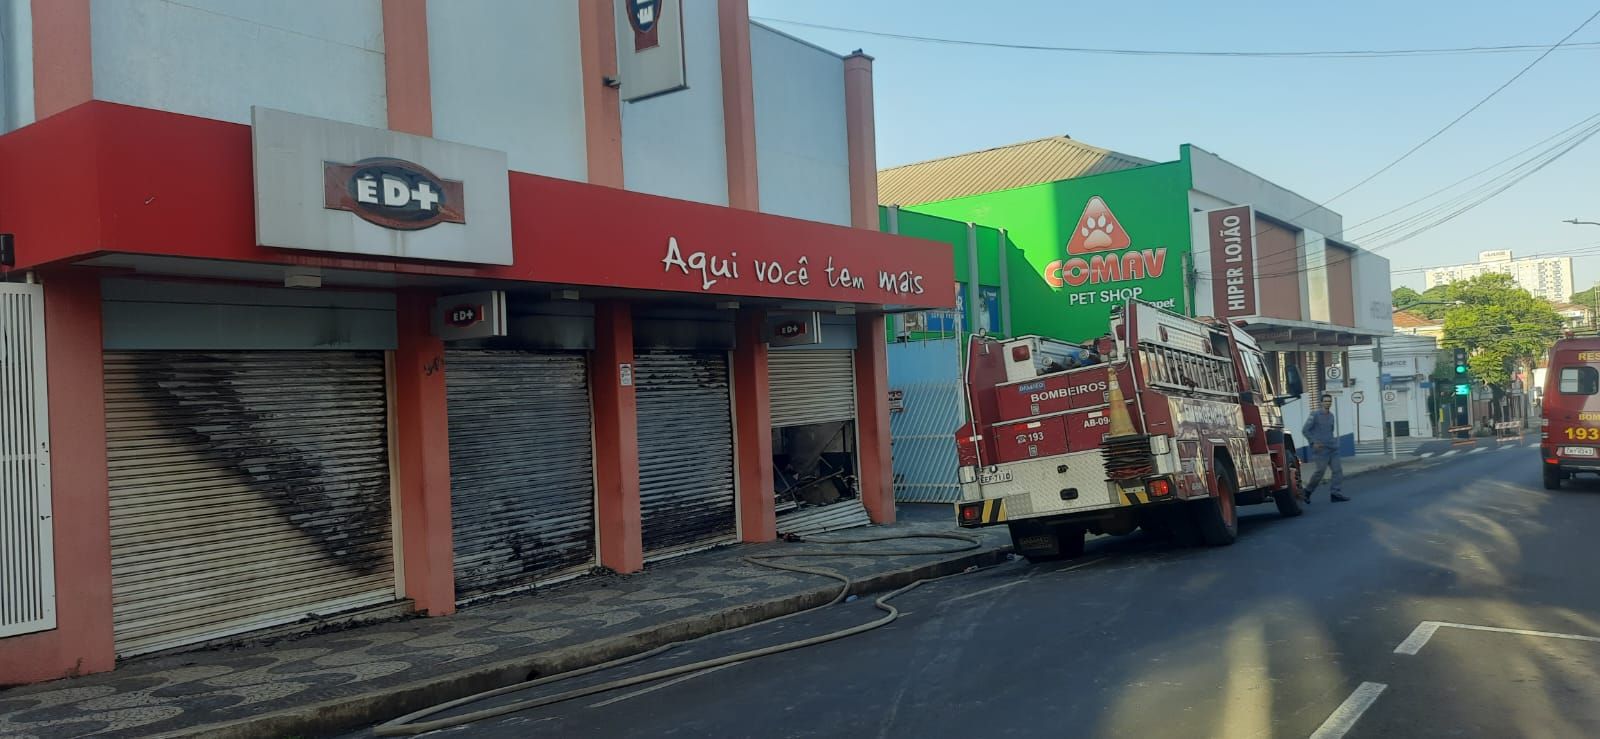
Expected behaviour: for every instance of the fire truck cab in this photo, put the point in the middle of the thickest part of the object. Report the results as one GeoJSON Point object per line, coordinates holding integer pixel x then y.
{"type": "Point", "coordinates": [1166, 423]}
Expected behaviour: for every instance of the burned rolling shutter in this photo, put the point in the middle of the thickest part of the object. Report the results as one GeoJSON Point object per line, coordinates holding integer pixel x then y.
{"type": "Point", "coordinates": [521, 467]}
{"type": "Point", "coordinates": [812, 386]}
{"type": "Point", "coordinates": [248, 489]}
{"type": "Point", "coordinates": [686, 490]}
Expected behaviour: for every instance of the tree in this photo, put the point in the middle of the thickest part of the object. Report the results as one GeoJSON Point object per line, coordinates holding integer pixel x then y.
{"type": "Point", "coordinates": [1501, 325]}
{"type": "Point", "coordinates": [1404, 298]}
{"type": "Point", "coordinates": [1587, 298]}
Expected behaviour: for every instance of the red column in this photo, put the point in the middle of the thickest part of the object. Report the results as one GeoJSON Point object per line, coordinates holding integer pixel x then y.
{"type": "Point", "coordinates": [63, 67]}
{"type": "Point", "coordinates": [616, 440]}
{"type": "Point", "coordinates": [738, 104]}
{"type": "Point", "coordinates": [422, 456]}
{"type": "Point", "coordinates": [405, 66]}
{"type": "Point", "coordinates": [872, 418]}
{"type": "Point", "coordinates": [82, 642]}
{"type": "Point", "coordinates": [861, 141]}
{"type": "Point", "coordinates": [602, 105]}
{"type": "Point", "coordinates": [752, 421]}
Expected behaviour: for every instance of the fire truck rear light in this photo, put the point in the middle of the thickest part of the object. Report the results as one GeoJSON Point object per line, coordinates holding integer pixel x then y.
{"type": "Point", "coordinates": [1551, 460]}
{"type": "Point", "coordinates": [1020, 353]}
{"type": "Point", "coordinates": [969, 513]}
{"type": "Point", "coordinates": [1160, 488]}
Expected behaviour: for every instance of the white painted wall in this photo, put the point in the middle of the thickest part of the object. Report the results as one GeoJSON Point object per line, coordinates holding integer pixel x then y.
{"type": "Point", "coordinates": [1200, 241]}
{"type": "Point", "coordinates": [16, 64]}
{"type": "Point", "coordinates": [508, 75]}
{"type": "Point", "coordinates": [802, 143]}
{"type": "Point", "coordinates": [1373, 302]}
{"type": "Point", "coordinates": [1228, 181]}
{"type": "Point", "coordinates": [1314, 305]}
{"type": "Point", "coordinates": [216, 58]}
{"type": "Point", "coordinates": [674, 145]}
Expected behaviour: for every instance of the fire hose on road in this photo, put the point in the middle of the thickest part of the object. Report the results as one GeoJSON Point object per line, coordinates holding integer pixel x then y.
{"type": "Point", "coordinates": [412, 723]}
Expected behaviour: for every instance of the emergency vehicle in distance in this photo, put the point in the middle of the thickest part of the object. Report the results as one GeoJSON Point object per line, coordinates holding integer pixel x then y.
{"type": "Point", "coordinates": [1569, 434]}
{"type": "Point", "coordinates": [1168, 424]}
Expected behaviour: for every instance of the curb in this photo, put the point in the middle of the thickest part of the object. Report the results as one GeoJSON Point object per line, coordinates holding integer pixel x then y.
{"type": "Point", "coordinates": [360, 711]}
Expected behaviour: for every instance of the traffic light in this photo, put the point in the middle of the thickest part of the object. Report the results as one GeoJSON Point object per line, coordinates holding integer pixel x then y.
{"type": "Point", "coordinates": [1461, 364]}
{"type": "Point", "coordinates": [1463, 389]}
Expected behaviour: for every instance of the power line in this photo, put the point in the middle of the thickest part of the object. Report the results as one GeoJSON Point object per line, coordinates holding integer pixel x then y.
{"type": "Point", "coordinates": [1436, 134]}
{"type": "Point", "coordinates": [1479, 195]}
{"type": "Point", "coordinates": [1314, 54]}
{"type": "Point", "coordinates": [1284, 261]}
{"type": "Point", "coordinates": [1464, 114]}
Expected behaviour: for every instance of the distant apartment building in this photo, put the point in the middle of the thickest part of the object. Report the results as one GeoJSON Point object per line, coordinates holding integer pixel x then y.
{"type": "Point", "coordinates": [1548, 277]}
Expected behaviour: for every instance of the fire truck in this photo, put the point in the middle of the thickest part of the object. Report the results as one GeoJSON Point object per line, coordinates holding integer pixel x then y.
{"type": "Point", "coordinates": [1167, 423]}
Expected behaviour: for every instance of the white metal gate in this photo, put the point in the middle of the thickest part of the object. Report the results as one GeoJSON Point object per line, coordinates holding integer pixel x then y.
{"type": "Point", "coordinates": [248, 489]}
{"type": "Point", "coordinates": [521, 467]}
{"type": "Point", "coordinates": [27, 560]}
{"type": "Point", "coordinates": [811, 386]}
{"type": "Point", "coordinates": [686, 492]}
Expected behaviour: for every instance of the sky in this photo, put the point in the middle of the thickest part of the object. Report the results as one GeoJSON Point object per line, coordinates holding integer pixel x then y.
{"type": "Point", "coordinates": [1314, 126]}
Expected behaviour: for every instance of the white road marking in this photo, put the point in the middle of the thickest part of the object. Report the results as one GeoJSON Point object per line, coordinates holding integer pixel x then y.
{"type": "Point", "coordinates": [1452, 451]}
{"type": "Point", "coordinates": [1419, 636]}
{"type": "Point", "coordinates": [1477, 449]}
{"type": "Point", "coordinates": [659, 686]}
{"type": "Point", "coordinates": [1349, 712]}
{"type": "Point", "coordinates": [1425, 630]}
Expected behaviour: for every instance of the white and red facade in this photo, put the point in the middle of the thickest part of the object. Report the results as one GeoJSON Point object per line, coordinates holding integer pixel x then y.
{"type": "Point", "coordinates": [204, 417]}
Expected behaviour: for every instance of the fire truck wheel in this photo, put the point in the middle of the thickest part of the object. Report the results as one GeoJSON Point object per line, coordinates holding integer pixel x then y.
{"type": "Point", "coordinates": [1218, 517]}
{"type": "Point", "coordinates": [1552, 477]}
{"type": "Point", "coordinates": [1288, 499]}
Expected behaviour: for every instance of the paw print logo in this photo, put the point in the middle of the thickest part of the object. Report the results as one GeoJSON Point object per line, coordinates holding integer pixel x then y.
{"type": "Point", "coordinates": [1098, 230]}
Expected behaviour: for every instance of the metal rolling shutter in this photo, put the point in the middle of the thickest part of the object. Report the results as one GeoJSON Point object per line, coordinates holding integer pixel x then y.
{"type": "Point", "coordinates": [521, 467]}
{"type": "Point", "coordinates": [685, 449]}
{"type": "Point", "coordinates": [248, 489]}
{"type": "Point", "coordinates": [812, 386]}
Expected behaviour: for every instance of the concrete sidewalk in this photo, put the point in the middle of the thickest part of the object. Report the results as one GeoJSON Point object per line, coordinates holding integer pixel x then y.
{"type": "Point", "coordinates": [324, 683]}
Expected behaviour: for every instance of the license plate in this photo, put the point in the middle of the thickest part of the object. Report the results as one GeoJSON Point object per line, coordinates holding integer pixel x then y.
{"type": "Point", "coordinates": [1037, 544]}
{"type": "Point", "coordinates": [990, 478]}
{"type": "Point", "coordinates": [1577, 451]}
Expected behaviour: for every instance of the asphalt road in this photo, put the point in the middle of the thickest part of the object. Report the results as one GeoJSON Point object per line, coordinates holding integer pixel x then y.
{"type": "Point", "coordinates": [1265, 638]}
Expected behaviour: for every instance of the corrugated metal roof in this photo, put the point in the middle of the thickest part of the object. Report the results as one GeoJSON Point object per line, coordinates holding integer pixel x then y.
{"type": "Point", "coordinates": [1003, 168]}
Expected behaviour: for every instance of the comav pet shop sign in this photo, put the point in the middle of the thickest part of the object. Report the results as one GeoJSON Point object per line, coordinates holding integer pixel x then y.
{"type": "Point", "coordinates": [1099, 253]}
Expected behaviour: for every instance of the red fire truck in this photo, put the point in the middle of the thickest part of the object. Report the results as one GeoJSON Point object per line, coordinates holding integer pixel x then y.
{"type": "Point", "coordinates": [1167, 423]}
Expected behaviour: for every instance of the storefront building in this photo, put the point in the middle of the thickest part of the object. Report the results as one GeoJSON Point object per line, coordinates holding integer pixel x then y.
{"type": "Point", "coordinates": [1088, 229]}
{"type": "Point", "coordinates": [1396, 387]}
{"type": "Point", "coordinates": [423, 327]}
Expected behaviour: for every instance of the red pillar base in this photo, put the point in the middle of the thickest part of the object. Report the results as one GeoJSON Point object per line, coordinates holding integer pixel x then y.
{"type": "Point", "coordinates": [752, 418]}
{"type": "Point", "coordinates": [872, 418]}
{"type": "Point", "coordinates": [422, 435]}
{"type": "Point", "coordinates": [82, 641]}
{"type": "Point", "coordinates": [616, 440]}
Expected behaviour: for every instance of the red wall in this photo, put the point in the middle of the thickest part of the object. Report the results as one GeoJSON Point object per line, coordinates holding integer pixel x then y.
{"type": "Point", "coordinates": [81, 643]}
